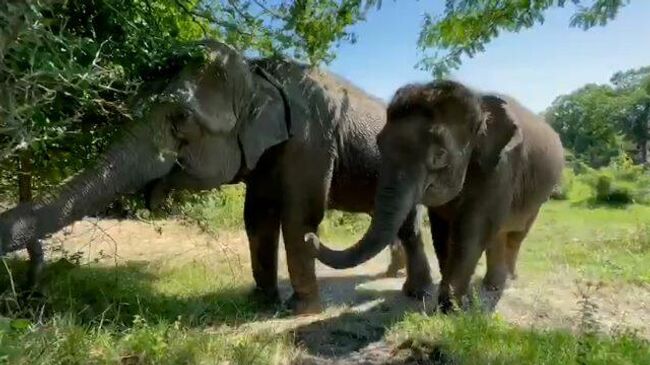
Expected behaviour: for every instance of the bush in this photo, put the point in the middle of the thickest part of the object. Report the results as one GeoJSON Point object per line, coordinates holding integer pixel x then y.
{"type": "Point", "coordinates": [214, 210]}
{"type": "Point", "coordinates": [620, 183]}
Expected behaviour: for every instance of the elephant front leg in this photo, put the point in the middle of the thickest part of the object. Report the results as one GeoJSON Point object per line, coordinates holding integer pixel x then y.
{"type": "Point", "coordinates": [418, 282]}
{"type": "Point", "coordinates": [302, 270]}
{"type": "Point", "coordinates": [262, 221]}
{"type": "Point", "coordinates": [465, 251]}
{"type": "Point", "coordinates": [36, 264]}
{"type": "Point", "coordinates": [440, 238]}
{"type": "Point", "coordinates": [497, 264]}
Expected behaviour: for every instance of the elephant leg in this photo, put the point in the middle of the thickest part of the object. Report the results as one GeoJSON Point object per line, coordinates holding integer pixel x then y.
{"type": "Point", "coordinates": [262, 221]}
{"type": "Point", "coordinates": [397, 259]}
{"type": "Point", "coordinates": [440, 238]}
{"type": "Point", "coordinates": [468, 242]}
{"type": "Point", "coordinates": [303, 210]}
{"type": "Point", "coordinates": [155, 194]}
{"type": "Point", "coordinates": [36, 263]}
{"type": "Point", "coordinates": [497, 267]}
{"type": "Point", "coordinates": [513, 245]}
{"type": "Point", "coordinates": [512, 252]}
{"type": "Point", "coordinates": [300, 262]}
{"type": "Point", "coordinates": [418, 282]}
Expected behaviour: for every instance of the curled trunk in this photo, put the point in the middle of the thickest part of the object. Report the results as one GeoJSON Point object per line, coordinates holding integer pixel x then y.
{"type": "Point", "coordinates": [396, 196]}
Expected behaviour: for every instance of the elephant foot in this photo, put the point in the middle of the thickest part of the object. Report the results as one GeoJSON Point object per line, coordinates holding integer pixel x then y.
{"type": "Point", "coordinates": [392, 272]}
{"type": "Point", "coordinates": [397, 261]}
{"type": "Point", "coordinates": [494, 284]}
{"type": "Point", "coordinates": [265, 296]}
{"type": "Point", "coordinates": [304, 305]}
{"type": "Point", "coordinates": [418, 289]}
{"type": "Point", "coordinates": [446, 306]}
{"type": "Point", "coordinates": [448, 303]}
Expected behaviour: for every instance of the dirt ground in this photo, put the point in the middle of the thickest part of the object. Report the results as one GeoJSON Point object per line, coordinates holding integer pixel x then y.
{"type": "Point", "coordinates": [360, 302]}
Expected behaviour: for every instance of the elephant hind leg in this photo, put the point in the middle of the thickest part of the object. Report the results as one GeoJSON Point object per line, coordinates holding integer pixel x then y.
{"type": "Point", "coordinates": [497, 267]}
{"type": "Point", "coordinates": [514, 244]}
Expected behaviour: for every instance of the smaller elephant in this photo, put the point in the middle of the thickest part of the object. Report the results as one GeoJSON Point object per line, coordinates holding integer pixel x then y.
{"type": "Point", "coordinates": [482, 164]}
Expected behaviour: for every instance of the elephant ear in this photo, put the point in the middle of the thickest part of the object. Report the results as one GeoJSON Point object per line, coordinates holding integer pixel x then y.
{"type": "Point", "coordinates": [281, 104]}
{"type": "Point", "coordinates": [219, 92]}
{"type": "Point", "coordinates": [269, 121]}
{"type": "Point", "coordinates": [498, 134]}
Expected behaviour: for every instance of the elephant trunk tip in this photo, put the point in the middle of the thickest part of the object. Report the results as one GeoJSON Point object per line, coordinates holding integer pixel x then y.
{"type": "Point", "coordinates": [344, 259]}
{"type": "Point", "coordinates": [312, 240]}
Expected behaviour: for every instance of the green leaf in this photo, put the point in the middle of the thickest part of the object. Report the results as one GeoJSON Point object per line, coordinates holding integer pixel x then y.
{"type": "Point", "coordinates": [20, 324]}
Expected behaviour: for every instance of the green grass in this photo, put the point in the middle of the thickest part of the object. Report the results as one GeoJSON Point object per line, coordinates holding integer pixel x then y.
{"type": "Point", "coordinates": [607, 244]}
{"type": "Point", "coordinates": [174, 313]}
{"type": "Point", "coordinates": [136, 314]}
{"type": "Point", "coordinates": [610, 244]}
{"type": "Point", "coordinates": [343, 229]}
{"type": "Point", "coordinates": [474, 338]}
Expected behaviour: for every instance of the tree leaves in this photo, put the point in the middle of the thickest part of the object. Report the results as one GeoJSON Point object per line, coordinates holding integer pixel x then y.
{"type": "Point", "coordinates": [69, 69]}
{"type": "Point", "coordinates": [467, 26]}
{"type": "Point", "coordinates": [600, 122]}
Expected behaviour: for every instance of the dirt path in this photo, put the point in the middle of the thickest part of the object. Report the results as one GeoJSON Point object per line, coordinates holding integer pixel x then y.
{"type": "Point", "coordinates": [360, 303]}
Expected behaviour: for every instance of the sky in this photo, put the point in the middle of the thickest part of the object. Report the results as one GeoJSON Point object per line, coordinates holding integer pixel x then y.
{"type": "Point", "coordinates": [534, 66]}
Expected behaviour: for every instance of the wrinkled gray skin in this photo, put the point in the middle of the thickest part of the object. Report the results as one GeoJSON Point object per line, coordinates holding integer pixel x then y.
{"type": "Point", "coordinates": [482, 164]}
{"type": "Point", "coordinates": [302, 140]}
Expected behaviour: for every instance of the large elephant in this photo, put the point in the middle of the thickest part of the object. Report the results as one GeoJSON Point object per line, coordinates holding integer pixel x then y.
{"type": "Point", "coordinates": [482, 164]}
{"type": "Point", "coordinates": [301, 139]}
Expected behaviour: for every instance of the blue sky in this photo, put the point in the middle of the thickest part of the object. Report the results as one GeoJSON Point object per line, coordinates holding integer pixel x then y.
{"type": "Point", "coordinates": [534, 66]}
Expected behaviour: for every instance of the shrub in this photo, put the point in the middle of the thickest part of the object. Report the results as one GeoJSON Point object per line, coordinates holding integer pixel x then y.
{"type": "Point", "coordinates": [620, 183]}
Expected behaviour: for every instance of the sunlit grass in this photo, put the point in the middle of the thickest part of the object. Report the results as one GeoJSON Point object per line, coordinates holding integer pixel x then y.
{"type": "Point", "coordinates": [174, 312]}
{"type": "Point", "coordinates": [476, 339]}
{"type": "Point", "coordinates": [138, 313]}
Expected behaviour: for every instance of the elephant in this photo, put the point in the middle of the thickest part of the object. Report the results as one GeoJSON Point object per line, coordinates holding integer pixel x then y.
{"type": "Point", "coordinates": [481, 163]}
{"type": "Point", "coordinates": [300, 138]}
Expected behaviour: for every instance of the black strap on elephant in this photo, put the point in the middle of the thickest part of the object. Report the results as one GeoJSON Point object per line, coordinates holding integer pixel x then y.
{"type": "Point", "coordinates": [256, 68]}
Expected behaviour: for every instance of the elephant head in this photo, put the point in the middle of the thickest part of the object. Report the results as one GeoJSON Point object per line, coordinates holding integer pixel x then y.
{"type": "Point", "coordinates": [213, 118]}
{"type": "Point", "coordinates": [435, 132]}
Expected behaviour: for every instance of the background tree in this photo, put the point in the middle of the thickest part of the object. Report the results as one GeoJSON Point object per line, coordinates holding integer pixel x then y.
{"type": "Point", "coordinates": [601, 122]}
{"type": "Point", "coordinates": [585, 120]}
{"type": "Point", "coordinates": [467, 26]}
{"type": "Point", "coordinates": [69, 70]}
{"type": "Point", "coordinates": [633, 93]}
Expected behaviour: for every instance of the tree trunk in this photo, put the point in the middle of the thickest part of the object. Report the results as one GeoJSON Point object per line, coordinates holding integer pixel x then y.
{"type": "Point", "coordinates": [25, 177]}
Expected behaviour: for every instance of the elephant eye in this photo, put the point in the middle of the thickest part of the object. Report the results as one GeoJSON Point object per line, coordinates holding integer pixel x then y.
{"type": "Point", "coordinates": [438, 159]}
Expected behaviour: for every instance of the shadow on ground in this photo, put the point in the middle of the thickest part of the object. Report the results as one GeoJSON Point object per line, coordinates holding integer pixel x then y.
{"type": "Point", "coordinates": [357, 336]}
{"type": "Point", "coordinates": [116, 294]}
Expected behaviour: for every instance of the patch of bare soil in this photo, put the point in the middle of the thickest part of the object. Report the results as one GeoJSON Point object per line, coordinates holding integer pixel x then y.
{"type": "Point", "coordinates": [361, 304]}
{"type": "Point", "coordinates": [118, 241]}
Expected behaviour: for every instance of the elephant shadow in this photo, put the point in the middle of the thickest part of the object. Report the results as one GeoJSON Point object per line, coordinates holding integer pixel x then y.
{"type": "Point", "coordinates": [372, 313]}
{"type": "Point", "coordinates": [118, 294]}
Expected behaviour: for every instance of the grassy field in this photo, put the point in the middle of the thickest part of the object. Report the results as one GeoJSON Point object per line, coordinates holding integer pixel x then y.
{"type": "Point", "coordinates": [191, 311]}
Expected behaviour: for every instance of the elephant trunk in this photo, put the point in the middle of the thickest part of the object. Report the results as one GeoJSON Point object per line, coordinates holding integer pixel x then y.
{"type": "Point", "coordinates": [396, 196]}
{"type": "Point", "coordinates": [145, 152]}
